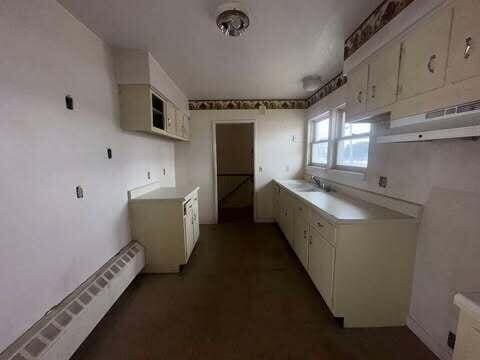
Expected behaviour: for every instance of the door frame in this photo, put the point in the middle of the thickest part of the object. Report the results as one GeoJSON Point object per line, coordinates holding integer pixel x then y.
{"type": "Point", "coordinates": [215, 182]}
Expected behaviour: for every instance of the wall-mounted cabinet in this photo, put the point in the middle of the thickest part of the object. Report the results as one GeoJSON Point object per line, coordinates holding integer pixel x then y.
{"type": "Point", "coordinates": [464, 61]}
{"type": "Point", "coordinates": [143, 109]}
{"type": "Point", "coordinates": [425, 55]}
{"type": "Point", "coordinates": [433, 64]}
{"type": "Point", "coordinates": [383, 77]}
{"type": "Point", "coordinates": [357, 88]}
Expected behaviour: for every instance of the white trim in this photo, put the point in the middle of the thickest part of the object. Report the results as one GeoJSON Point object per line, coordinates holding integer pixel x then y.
{"type": "Point", "coordinates": [456, 133]}
{"type": "Point", "coordinates": [255, 160]}
{"type": "Point", "coordinates": [442, 351]}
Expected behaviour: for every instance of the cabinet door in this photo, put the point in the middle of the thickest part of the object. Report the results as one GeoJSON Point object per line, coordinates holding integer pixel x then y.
{"type": "Point", "coordinates": [301, 241]}
{"type": "Point", "coordinates": [171, 127]}
{"type": "Point", "coordinates": [424, 55]}
{"type": "Point", "coordinates": [186, 126]}
{"type": "Point", "coordinates": [276, 203]}
{"type": "Point", "coordinates": [196, 220]}
{"type": "Point", "coordinates": [178, 123]}
{"type": "Point", "coordinates": [383, 77]}
{"type": "Point", "coordinates": [357, 91]}
{"type": "Point", "coordinates": [188, 226]}
{"type": "Point", "coordinates": [464, 60]}
{"type": "Point", "coordinates": [321, 260]}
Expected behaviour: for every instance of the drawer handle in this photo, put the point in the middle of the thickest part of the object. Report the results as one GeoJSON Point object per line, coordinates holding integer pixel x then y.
{"type": "Point", "coordinates": [431, 63]}
{"type": "Point", "coordinates": [468, 47]}
{"type": "Point", "coordinates": [360, 96]}
{"type": "Point", "coordinates": [319, 225]}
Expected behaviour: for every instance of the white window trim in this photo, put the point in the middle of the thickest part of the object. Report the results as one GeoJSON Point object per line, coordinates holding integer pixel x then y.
{"type": "Point", "coordinates": [321, 117]}
{"type": "Point", "coordinates": [338, 137]}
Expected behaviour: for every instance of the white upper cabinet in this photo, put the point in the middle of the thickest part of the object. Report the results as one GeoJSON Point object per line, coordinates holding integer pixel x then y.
{"type": "Point", "coordinates": [171, 125]}
{"type": "Point", "coordinates": [357, 89]}
{"type": "Point", "coordinates": [464, 60]}
{"type": "Point", "coordinates": [424, 55]}
{"type": "Point", "coordinates": [383, 77]}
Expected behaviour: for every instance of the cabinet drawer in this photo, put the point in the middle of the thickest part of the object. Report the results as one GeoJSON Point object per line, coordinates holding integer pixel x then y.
{"type": "Point", "coordinates": [301, 212]}
{"type": "Point", "coordinates": [326, 229]}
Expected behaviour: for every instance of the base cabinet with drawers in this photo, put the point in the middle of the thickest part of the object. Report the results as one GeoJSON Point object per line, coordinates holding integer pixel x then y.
{"type": "Point", "coordinates": [362, 269]}
{"type": "Point", "coordinates": [166, 222]}
{"type": "Point", "coordinates": [467, 344]}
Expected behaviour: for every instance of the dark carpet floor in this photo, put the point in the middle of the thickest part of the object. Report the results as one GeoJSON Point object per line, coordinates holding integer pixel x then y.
{"type": "Point", "coordinates": [244, 295]}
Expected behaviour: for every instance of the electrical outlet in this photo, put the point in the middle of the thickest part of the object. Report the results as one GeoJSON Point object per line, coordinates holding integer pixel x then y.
{"type": "Point", "coordinates": [79, 192]}
{"type": "Point", "coordinates": [451, 340]}
{"type": "Point", "coordinates": [148, 175]}
{"type": "Point", "coordinates": [383, 181]}
{"type": "Point", "coordinates": [69, 102]}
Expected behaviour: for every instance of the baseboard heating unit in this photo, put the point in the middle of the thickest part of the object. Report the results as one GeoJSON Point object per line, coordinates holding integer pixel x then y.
{"type": "Point", "coordinates": [61, 331]}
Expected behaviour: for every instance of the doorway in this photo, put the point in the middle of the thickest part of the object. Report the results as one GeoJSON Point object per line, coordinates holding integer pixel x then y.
{"type": "Point", "coordinates": [234, 148]}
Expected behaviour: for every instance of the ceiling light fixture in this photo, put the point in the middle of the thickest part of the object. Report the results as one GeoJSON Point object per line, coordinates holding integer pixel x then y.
{"type": "Point", "coordinates": [312, 82]}
{"type": "Point", "coordinates": [232, 18]}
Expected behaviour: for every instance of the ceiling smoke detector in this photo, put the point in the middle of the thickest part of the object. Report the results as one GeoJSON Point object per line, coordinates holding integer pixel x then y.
{"type": "Point", "coordinates": [232, 18]}
{"type": "Point", "coordinates": [311, 83]}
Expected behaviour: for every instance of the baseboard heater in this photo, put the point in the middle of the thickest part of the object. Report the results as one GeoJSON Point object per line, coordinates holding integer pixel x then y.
{"type": "Point", "coordinates": [61, 331]}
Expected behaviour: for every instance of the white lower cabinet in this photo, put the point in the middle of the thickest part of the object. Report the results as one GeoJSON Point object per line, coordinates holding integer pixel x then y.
{"type": "Point", "coordinates": [321, 260]}
{"type": "Point", "coordinates": [301, 241]}
{"type": "Point", "coordinates": [167, 224]}
{"type": "Point", "coordinates": [287, 212]}
{"type": "Point", "coordinates": [467, 344]}
{"type": "Point", "coordinates": [362, 269]}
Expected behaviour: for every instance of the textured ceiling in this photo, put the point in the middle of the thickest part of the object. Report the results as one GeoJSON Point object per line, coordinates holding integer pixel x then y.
{"type": "Point", "coordinates": [287, 40]}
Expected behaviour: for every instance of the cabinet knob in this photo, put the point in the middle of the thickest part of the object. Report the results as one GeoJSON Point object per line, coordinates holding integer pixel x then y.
{"type": "Point", "coordinates": [360, 96]}
{"type": "Point", "coordinates": [431, 63]}
{"type": "Point", "coordinates": [468, 47]}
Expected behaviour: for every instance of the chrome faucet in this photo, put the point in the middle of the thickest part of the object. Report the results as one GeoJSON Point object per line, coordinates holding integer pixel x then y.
{"type": "Point", "coordinates": [322, 185]}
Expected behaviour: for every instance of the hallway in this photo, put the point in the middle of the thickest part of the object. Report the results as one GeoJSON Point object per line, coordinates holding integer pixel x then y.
{"type": "Point", "coordinates": [244, 295]}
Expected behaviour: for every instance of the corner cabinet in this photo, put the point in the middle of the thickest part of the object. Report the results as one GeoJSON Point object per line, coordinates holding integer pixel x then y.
{"type": "Point", "coordinates": [144, 109]}
{"type": "Point", "coordinates": [166, 222]}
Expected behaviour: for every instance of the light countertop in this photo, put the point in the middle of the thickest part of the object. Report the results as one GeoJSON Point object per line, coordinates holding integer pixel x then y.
{"type": "Point", "coordinates": [469, 302]}
{"type": "Point", "coordinates": [340, 208]}
{"type": "Point", "coordinates": [168, 193]}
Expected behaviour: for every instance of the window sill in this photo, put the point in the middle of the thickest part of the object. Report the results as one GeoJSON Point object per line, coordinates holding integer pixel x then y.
{"type": "Point", "coordinates": [337, 174]}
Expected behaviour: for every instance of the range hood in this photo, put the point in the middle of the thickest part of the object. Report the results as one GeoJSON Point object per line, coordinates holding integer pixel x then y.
{"type": "Point", "coordinates": [463, 122]}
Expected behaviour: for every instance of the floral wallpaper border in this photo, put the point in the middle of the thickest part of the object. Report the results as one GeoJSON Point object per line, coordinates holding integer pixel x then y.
{"type": "Point", "coordinates": [246, 104]}
{"type": "Point", "coordinates": [380, 17]}
{"type": "Point", "coordinates": [334, 84]}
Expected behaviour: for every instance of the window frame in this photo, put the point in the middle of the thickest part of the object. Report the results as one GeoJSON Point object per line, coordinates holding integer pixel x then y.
{"type": "Point", "coordinates": [339, 124]}
{"type": "Point", "coordinates": [325, 116]}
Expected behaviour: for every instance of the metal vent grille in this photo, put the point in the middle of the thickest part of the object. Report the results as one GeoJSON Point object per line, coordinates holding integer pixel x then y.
{"type": "Point", "coordinates": [460, 109]}
{"type": "Point", "coordinates": [435, 114]}
{"type": "Point", "coordinates": [469, 107]}
{"type": "Point", "coordinates": [33, 344]}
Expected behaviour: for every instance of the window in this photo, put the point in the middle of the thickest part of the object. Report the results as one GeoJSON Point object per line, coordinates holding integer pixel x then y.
{"type": "Point", "coordinates": [319, 143]}
{"type": "Point", "coordinates": [352, 144]}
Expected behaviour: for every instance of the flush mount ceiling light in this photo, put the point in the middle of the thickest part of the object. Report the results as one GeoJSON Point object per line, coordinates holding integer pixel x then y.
{"type": "Point", "coordinates": [311, 83]}
{"type": "Point", "coordinates": [232, 18]}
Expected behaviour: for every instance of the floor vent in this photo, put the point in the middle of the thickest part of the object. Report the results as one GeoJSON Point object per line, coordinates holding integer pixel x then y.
{"type": "Point", "coordinates": [61, 331]}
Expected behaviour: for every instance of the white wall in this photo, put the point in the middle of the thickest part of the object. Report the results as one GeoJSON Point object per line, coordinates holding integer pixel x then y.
{"type": "Point", "coordinates": [278, 156]}
{"type": "Point", "coordinates": [51, 241]}
{"type": "Point", "coordinates": [445, 178]}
